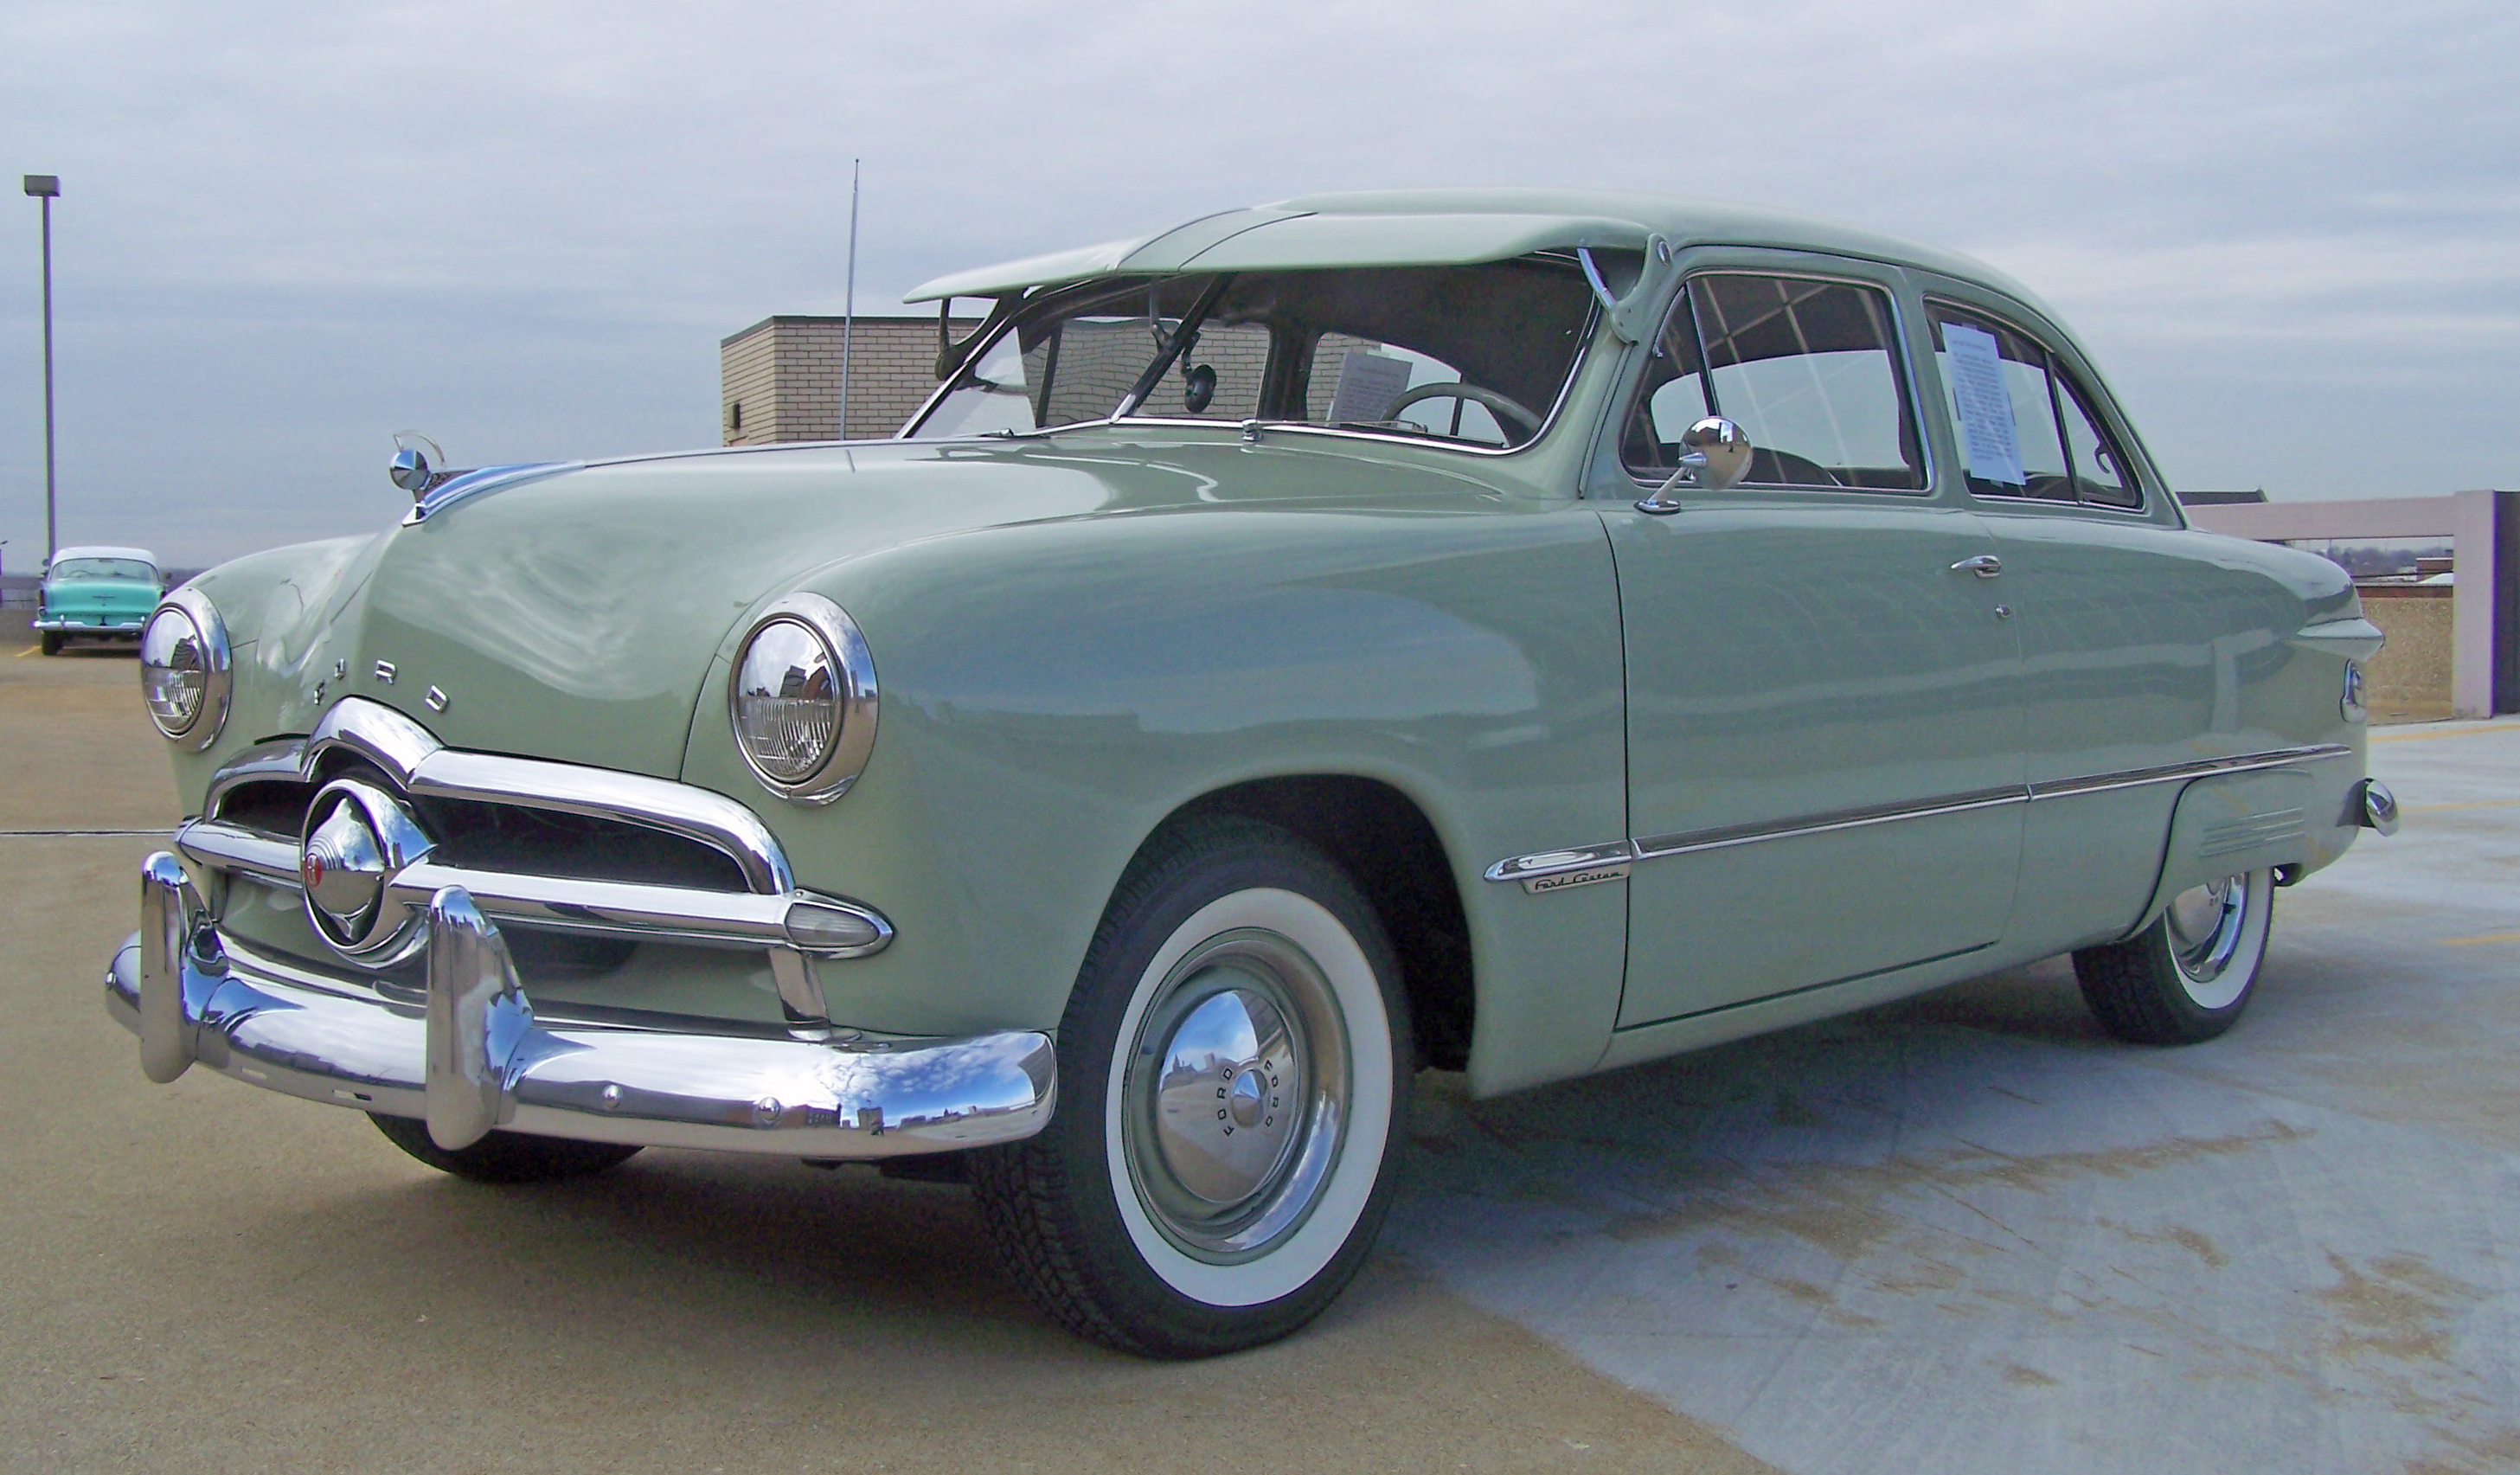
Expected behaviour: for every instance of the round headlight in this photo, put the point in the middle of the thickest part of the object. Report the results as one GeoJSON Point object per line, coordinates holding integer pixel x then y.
{"type": "Point", "coordinates": [802, 700]}
{"type": "Point", "coordinates": [184, 669]}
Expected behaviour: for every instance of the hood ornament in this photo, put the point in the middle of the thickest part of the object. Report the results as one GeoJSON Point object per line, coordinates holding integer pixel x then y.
{"type": "Point", "coordinates": [416, 463]}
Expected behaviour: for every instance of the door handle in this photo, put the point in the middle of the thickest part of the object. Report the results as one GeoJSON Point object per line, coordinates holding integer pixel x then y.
{"type": "Point", "coordinates": [1984, 565]}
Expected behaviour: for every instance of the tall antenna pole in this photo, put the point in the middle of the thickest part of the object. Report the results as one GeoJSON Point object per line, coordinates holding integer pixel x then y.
{"type": "Point", "coordinates": [849, 307]}
{"type": "Point", "coordinates": [45, 187]}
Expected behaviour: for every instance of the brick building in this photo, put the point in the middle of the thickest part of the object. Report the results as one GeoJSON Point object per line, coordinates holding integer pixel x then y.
{"type": "Point", "coordinates": [779, 379]}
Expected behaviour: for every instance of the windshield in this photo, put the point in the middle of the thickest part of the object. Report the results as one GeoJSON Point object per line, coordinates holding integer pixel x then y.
{"type": "Point", "coordinates": [1475, 355]}
{"type": "Point", "coordinates": [103, 568]}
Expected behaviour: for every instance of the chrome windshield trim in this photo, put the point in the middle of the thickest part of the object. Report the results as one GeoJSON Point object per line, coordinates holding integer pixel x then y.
{"type": "Point", "coordinates": [1573, 859]}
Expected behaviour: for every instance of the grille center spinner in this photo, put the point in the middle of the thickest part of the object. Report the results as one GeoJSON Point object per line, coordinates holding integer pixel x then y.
{"type": "Point", "coordinates": [357, 840]}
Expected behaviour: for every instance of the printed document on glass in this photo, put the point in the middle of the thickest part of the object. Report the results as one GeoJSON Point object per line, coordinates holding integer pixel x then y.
{"type": "Point", "coordinates": [1975, 367]}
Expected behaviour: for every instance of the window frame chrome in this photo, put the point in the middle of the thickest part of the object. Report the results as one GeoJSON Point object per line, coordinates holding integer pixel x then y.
{"type": "Point", "coordinates": [2112, 422]}
{"type": "Point", "coordinates": [1726, 260]}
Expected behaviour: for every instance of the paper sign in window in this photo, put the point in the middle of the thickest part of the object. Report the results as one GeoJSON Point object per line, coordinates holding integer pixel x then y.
{"type": "Point", "coordinates": [1368, 384]}
{"type": "Point", "coordinates": [1975, 367]}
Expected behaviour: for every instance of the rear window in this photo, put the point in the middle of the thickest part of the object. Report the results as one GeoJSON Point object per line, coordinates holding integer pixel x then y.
{"type": "Point", "coordinates": [2024, 427]}
{"type": "Point", "coordinates": [104, 568]}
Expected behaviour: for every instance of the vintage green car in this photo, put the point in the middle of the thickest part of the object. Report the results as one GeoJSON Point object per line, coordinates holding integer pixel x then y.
{"type": "Point", "coordinates": [100, 593]}
{"type": "Point", "coordinates": [1522, 634]}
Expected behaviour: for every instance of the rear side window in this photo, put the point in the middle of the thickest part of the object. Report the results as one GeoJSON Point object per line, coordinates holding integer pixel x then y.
{"type": "Point", "coordinates": [1807, 369]}
{"type": "Point", "coordinates": [2024, 427]}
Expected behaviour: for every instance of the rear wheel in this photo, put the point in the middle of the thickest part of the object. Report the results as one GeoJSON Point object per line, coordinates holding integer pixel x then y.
{"type": "Point", "coordinates": [1234, 1067]}
{"type": "Point", "coordinates": [2188, 976]}
{"type": "Point", "coordinates": [503, 1157]}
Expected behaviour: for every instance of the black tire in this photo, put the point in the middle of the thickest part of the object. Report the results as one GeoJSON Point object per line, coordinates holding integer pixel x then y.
{"type": "Point", "coordinates": [2186, 977]}
{"type": "Point", "coordinates": [504, 1157]}
{"type": "Point", "coordinates": [52, 641]}
{"type": "Point", "coordinates": [1121, 1219]}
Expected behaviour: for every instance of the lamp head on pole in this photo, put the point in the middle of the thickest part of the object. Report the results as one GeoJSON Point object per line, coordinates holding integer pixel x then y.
{"type": "Point", "coordinates": [46, 185]}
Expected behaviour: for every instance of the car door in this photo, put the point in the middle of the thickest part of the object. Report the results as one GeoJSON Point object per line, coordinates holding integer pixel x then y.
{"type": "Point", "coordinates": [1824, 728]}
{"type": "Point", "coordinates": [2140, 644]}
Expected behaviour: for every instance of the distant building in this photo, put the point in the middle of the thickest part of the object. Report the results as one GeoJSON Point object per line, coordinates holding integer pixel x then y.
{"type": "Point", "coordinates": [2221, 499]}
{"type": "Point", "coordinates": [779, 379]}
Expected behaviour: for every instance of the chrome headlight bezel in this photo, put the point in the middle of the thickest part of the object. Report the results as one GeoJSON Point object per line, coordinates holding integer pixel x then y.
{"type": "Point", "coordinates": [2350, 705]}
{"type": "Point", "coordinates": [853, 738]}
{"type": "Point", "coordinates": [209, 634]}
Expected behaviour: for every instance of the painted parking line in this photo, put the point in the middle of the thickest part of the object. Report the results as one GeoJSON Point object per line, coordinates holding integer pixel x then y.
{"type": "Point", "coordinates": [30, 651]}
{"type": "Point", "coordinates": [2434, 809]}
{"type": "Point", "coordinates": [2464, 731]}
{"type": "Point", "coordinates": [2480, 939]}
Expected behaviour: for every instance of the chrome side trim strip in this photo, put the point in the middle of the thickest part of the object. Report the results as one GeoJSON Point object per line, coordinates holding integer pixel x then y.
{"type": "Point", "coordinates": [2173, 773]}
{"type": "Point", "coordinates": [1724, 836]}
{"type": "Point", "coordinates": [1559, 862]}
{"type": "Point", "coordinates": [1619, 853]}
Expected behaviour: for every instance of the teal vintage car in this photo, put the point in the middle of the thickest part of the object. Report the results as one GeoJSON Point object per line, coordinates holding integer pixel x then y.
{"type": "Point", "coordinates": [98, 593]}
{"type": "Point", "coordinates": [1520, 634]}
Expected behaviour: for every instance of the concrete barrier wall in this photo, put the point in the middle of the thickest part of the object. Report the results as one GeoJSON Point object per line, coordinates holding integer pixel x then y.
{"type": "Point", "coordinates": [2409, 680]}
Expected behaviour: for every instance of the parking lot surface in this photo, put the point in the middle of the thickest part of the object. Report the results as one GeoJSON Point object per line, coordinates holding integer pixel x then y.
{"type": "Point", "coordinates": [1966, 1232]}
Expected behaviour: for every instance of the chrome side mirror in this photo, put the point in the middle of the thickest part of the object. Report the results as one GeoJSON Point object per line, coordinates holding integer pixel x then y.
{"type": "Point", "coordinates": [1714, 455]}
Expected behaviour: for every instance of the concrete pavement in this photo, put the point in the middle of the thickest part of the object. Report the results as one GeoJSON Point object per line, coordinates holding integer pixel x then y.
{"type": "Point", "coordinates": [1966, 1232]}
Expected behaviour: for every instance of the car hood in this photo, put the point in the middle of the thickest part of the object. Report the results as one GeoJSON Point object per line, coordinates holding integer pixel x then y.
{"type": "Point", "coordinates": [577, 615]}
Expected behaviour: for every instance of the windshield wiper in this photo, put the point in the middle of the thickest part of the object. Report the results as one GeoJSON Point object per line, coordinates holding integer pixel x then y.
{"type": "Point", "coordinates": [1182, 338]}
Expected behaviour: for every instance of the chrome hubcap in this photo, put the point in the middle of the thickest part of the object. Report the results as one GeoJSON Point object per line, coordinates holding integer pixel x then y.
{"type": "Point", "coordinates": [2207, 926]}
{"type": "Point", "coordinates": [1236, 1096]}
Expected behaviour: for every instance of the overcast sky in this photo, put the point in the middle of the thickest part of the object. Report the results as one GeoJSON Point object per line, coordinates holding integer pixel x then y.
{"type": "Point", "coordinates": [289, 229]}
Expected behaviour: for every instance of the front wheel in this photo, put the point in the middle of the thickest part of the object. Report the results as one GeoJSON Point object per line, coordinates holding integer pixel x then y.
{"type": "Point", "coordinates": [2188, 976]}
{"type": "Point", "coordinates": [1234, 1067]}
{"type": "Point", "coordinates": [52, 641]}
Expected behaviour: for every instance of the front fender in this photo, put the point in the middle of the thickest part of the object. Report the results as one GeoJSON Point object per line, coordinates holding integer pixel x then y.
{"type": "Point", "coordinates": [275, 606]}
{"type": "Point", "coordinates": [1051, 691]}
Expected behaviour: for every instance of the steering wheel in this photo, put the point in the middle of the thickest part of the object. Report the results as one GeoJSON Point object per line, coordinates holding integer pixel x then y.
{"type": "Point", "coordinates": [1496, 402]}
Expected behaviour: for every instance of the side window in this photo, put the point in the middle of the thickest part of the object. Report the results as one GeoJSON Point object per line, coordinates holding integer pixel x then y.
{"type": "Point", "coordinates": [2100, 471]}
{"type": "Point", "coordinates": [1994, 383]}
{"type": "Point", "coordinates": [1806, 368]}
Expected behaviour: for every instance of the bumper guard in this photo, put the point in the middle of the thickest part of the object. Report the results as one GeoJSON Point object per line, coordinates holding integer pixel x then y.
{"type": "Point", "coordinates": [474, 1058]}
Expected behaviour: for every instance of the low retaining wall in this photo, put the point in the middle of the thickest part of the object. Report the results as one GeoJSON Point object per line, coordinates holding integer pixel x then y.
{"type": "Point", "coordinates": [2409, 680]}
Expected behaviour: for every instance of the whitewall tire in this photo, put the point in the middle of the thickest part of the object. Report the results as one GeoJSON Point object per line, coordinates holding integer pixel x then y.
{"type": "Point", "coordinates": [1234, 1067]}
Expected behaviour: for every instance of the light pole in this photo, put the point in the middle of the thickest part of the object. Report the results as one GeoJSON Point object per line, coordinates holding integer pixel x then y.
{"type": "Point", "coordinates": [47, 187]}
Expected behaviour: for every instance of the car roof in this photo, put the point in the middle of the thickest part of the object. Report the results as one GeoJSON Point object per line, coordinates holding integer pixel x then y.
{"type": "Point", "coordinates": [1444, 227]}
{"type": "Point", "coordinates": [101, 551]}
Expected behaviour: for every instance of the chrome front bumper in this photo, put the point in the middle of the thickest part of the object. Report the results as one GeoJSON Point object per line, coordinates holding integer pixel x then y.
{"type": "Point", "coordinates": [472, 1058]}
